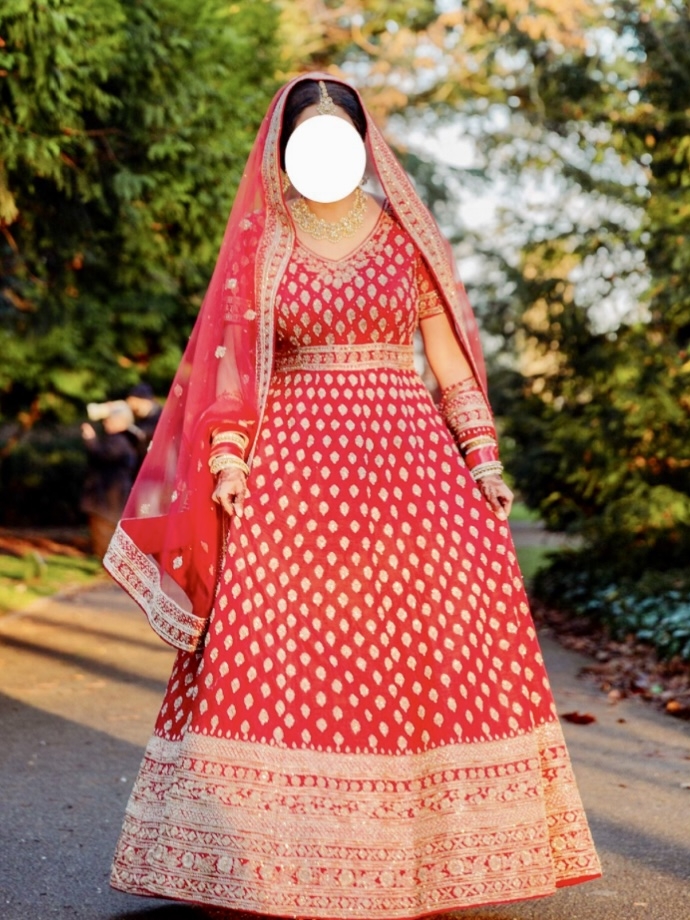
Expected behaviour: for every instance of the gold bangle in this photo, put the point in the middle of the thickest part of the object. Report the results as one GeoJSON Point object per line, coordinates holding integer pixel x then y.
{"type": "Point", "coordinates": [455, 389]}
{"type": "Point", "coordinates": [230, 437]}
{"type": "Point", "coordinates": [475, 443]}
{"type": "Point", "coordinates": [495, 467]}
{"type": "Point", "coordinates": [227, 462]}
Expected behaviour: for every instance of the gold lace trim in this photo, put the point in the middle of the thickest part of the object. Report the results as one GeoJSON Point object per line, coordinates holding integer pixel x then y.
{"type": "Point", "coordinates": [345, 357]}
{"type": "Point", "coordinates": [140, 578]}
{"type": "Point", "coordinates": [430, 304]}
{"type": "Point", "coordinates": [301, 833]}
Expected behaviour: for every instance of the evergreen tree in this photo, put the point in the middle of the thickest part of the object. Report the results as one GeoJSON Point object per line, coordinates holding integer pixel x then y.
{"type": "Point", "coordinates": [124, 126]}
{"type": "Point", "coordinates": [603, 417]}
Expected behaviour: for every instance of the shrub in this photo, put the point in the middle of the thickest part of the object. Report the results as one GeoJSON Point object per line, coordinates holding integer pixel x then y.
{"type": "Point", "coordinates": [41, 478]}
{"type": "Point", "coordinates": [655, 606]}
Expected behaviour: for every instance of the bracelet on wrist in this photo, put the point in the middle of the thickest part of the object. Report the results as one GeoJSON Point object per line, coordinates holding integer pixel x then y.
{"type": "Point", "coordinates": [227, 462]}
{"type": "Point", "coordinates": [484, 470]}
{"type": "Point", "coordinates": [238, 438]}
{"type": "Point", "coordinates": [467, 414]}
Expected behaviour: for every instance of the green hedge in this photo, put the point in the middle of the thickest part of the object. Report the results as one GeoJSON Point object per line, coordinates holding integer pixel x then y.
{"type": "Point", "coordinates": [41, 478]}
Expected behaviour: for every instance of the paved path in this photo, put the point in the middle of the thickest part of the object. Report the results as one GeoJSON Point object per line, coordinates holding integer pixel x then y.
{"type": "Point", "coordinates": [80, 685]}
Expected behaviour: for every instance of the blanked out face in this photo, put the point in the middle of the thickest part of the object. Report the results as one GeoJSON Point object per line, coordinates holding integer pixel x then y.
{"type": "Point", "coordinates": [322, 140]}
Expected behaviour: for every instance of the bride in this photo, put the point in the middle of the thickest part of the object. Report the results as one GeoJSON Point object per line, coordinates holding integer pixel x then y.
{"type": "Point", "coordinates": [358, 723]}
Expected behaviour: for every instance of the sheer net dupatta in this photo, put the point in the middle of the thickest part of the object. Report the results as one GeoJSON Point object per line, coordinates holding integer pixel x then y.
{"type": "Point", "coordinates": [166, 550]}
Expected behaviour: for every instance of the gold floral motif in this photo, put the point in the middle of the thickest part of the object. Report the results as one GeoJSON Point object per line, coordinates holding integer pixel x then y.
{"type": "Point", "coordinates": [429, 301]}
{"type": "Point", "coordinates": [295, 832]}
{"type": "Point", "coordinates": [430, 304]}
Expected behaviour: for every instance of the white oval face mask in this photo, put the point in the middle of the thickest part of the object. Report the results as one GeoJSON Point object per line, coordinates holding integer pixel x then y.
{"type": "Point", "coordinates": [325, 158]}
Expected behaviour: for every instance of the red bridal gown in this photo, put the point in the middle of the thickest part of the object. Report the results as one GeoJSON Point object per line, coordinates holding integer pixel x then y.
{"type": "Point", "coordinates": [369, 730]}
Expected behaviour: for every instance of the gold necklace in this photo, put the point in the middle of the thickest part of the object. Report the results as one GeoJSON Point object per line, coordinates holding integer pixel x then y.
{"type": "Point", "coordinates": [333, 231]}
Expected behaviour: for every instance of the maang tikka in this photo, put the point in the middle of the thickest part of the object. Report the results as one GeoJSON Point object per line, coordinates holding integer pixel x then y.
{"type": "Point", "coordinates": [326, 106]}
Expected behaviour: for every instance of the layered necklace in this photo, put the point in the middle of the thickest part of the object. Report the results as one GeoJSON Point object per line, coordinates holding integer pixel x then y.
{"type": "Point", "coordinates": [333, 231]}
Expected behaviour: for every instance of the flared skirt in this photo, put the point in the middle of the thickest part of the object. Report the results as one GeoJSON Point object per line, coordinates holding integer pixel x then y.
{"type": "Point", "coordinates": [369, 730]}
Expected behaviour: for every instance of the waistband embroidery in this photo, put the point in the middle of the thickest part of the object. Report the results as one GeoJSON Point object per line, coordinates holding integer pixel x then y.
{"type": "Point", "coordinates": [345, 357]}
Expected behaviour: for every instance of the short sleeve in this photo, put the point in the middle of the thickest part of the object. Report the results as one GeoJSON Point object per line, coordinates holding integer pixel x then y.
{"type": "Point", "coordinates": [429, 301]}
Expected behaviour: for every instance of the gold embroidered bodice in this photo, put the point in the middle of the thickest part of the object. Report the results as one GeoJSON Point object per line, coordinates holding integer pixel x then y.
{"type": "Point", "coordinates": [371, 297]}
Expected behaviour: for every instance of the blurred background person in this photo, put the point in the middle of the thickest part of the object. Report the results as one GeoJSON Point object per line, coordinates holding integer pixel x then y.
{"type": "Point", "coordinates": [113, 458]}
{"type": "Point", "coordinates": [147, 410]}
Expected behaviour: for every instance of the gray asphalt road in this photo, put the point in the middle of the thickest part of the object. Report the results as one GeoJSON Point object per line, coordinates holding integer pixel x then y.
{"type": "Point", "coordinates": [80, 684]}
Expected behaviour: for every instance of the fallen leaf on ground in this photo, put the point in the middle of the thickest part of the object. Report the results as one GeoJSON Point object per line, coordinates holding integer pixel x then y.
{"type": "Point", "coordinates": [676, 708]}
{"type": "Point", "coordinates": [626, 665]}
{"type": "Point", "coordinates": [579, 718]}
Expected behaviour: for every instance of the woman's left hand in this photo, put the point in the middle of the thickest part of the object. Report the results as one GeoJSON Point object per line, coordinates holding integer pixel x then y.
{"type": "Point", "coordinates": [497, 494]}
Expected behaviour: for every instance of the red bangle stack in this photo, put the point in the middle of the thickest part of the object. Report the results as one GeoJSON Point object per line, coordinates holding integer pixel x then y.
{"type": "Point", "coordinates": [467, 414]}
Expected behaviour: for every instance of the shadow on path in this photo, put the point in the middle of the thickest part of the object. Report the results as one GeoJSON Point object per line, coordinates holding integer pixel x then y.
{"type": "Point", "coordinates": [84, 663]}
{"type": "Point", "coordinates": [64, 785]}
{"type": "Point", "coordinates": [64, 790]}
{"type": "Point", "coordinates": [152, 644]}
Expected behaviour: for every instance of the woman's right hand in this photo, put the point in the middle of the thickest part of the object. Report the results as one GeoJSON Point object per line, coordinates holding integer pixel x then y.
{"type": "Point", "coordinates": [231, 491]}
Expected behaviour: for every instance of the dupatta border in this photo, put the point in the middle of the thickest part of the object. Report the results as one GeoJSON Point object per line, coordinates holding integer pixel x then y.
{"type": "Point", "coordinates": [134, 571]}
{"type": "Point", "coordinates": [272, 258]}
{"type": "Point", "coordinates": [420, 224]}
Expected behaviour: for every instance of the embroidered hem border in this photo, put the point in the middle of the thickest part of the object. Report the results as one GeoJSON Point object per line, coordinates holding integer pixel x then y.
{"type": "Point", "coordinates": [302, 833]}
{"type": "Point", "coordinates": [140, 578]}
{"type": "Point", "coordinates": [346, 357]}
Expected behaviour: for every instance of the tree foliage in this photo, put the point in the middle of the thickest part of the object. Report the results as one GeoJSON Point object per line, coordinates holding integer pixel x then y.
{"type": "Point", "coordinates": [579, 117]}
{"type": "Point", "coordinates": [124, 126]}
{"type": "Point", "coordinates": [602, 417]}
{"type": "Point", "coordinates": [410, 54]}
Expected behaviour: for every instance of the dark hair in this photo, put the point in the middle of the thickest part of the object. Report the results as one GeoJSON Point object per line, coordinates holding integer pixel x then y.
{"type": "Point", "coordinates": [142, 390]}
{"type": "Point", "coordinates": [306, 93]}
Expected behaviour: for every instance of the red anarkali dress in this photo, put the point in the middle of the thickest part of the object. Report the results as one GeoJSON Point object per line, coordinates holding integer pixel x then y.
{"type": "Point", "coordinates": [369, 730]}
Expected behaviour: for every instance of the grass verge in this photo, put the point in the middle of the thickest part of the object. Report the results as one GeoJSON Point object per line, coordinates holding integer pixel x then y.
{"type": "Point", "coordinates": [531, 559]}
{"type": "Point", "coordinates": [520, 512]}
{"type": "Point", "coordinates": [25, 579]}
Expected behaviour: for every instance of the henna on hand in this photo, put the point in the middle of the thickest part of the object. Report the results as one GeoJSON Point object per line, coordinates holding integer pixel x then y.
{"type": "Point", "coordinates": [231, 491]}
{"type": "Point", "coordinates": [498, 495]}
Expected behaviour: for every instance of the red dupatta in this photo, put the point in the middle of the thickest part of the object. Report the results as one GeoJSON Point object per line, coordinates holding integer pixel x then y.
{"type": "Point", "coordinates": [167, 548]}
